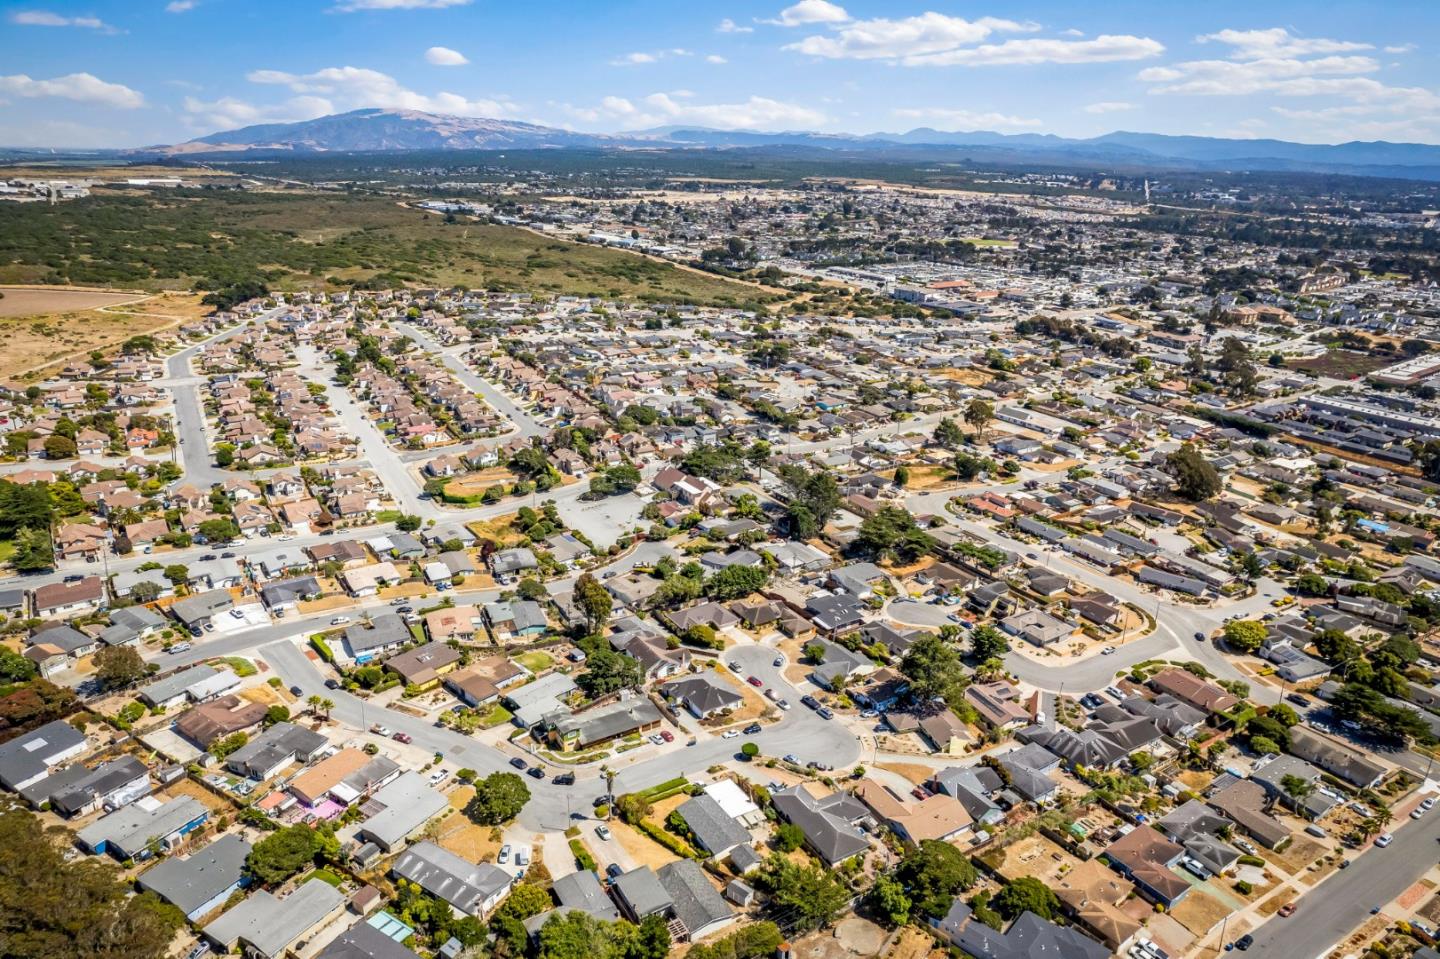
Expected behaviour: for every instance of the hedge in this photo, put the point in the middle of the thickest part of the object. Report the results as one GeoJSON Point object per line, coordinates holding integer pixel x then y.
{"type": "Point", "coordinates": [672, 843]}
{"type": "Point", "coordinates": [323, 648]}
{"type": "Point", "coordinates": [583, 859]}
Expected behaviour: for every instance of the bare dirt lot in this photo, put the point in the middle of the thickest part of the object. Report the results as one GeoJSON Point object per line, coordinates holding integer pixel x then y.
{"type": "Point", "coordinates": [37, 340]}
{"type": "Point", "coordinates": [29, 301]}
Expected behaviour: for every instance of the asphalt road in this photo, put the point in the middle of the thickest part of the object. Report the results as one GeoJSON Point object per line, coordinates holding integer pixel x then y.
{"type": "Point", "coordinates": [800, 732]}
{"type": "Point", "coordinates": [524, 422]}
{"type": "Point", "coordinates": [1331, 910]}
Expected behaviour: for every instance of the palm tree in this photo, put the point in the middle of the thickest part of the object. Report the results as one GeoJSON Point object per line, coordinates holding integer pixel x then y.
{"type": "Point", "coordinates": [313, 701]}
{"type": "Point", "coordinates": [327, 705]}
{"type": "Point", "coordinates": [609, 775]}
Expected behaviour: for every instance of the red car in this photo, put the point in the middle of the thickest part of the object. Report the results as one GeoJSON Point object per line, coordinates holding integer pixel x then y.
{"type": "Point", "coordinates": [754, 682]}
{"type": "Point", "coordinates": [1289, 908]}
{"type": "Point", "coordinates": [920, 792]}
{"type": "Point", "coordinates": [401, 737]}
{"type": "Point", "coordinates": [666, 735]}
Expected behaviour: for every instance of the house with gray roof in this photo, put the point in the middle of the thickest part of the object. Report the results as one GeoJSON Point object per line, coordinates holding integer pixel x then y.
{"type": "Point", "coordinates": [594, 726]}
{"type": "Point", "coordinates": [269, 926]}
{"type": "Point", "coordinates": [77, 790]}
{"type": "Point", "coordinates": [639, 894]}
{"type": "Point", "coordinates": [712, 828]}
{"type": "Point", "coordinates": [289, 592]}
{"type": "Point", "coordinates": [365, 940]}
{"type": "Point", "coordinates": [702, 695]}
{"type": "Point", "coordinates": [28, 758]}
{"type": "Point", "coordinates": [196, 684]}
{"type": "Point", "coordinates": [581, 890]}
{"type": "Point", "coordinates": [385, 633]}
{"type": "Point", "coordinates": [831, 825]}
{"type": "Point", "coordinates": [839, 663]}
{"type": "Point", "coordinates": [532, 702]}
{"type": "Point", "coordinates": [195, 611]}
{"type": "Point", "coordinates": [1028, 937]}
{"type": "Point", "coordinates": [694, 900]}
{"type": "Point", "coordinates": [200, 882]}
{"type": "Point", "coordinates": [399, 809]}
{"type": "Point", "coordinates": [471, 889]}
{"type": "Point", "coordinates": [143, 828]}
{"type": "Point", "coordinates": [274, 749]}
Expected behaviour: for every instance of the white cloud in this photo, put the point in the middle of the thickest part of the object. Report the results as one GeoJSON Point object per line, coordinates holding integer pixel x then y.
{"type": "Point", "coordinates": [810, 11]}
{"type": "Point", "coordinates": [45, 18]}
{"type": "Point", "coordinates": [715, 58]}
{"type": "Point", "coordinates": [81, 87]}
{"type": "Point", "coordinates": [965, 118]}
{"type": "Point", "coordinates": [1277, 42]}
{"type": "Point", "coordinates": [354, 87]}
{"type": "Point", "coordinates": [227, 113]}
{"type": "Point", "coordinates": [730, 26]}
{"type": "Point", "coordinates": [756, 113]}
{"type": "Point", "coordinates": [350, 6]}
{"type": "Point", "coordinates": [180, 6]}
{"type": "Point", "coordinates": [1400, 48]}
{"type": "Point", "coordinates": [643, 57]}
{"type": "Point", "coordinates": [882, 39]}
{"type": "Point", "coordinates": [1109, 106]}
{"type": "Point", "coordinates": [1286, 76]}
{"type": "Point", "coordinates": [445, 57]}
{"type": "Point", "coordinates": [1034, 50]}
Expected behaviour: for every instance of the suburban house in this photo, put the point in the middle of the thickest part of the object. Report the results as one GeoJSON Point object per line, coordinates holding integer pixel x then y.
{"type": "Point", "coordinates": [199, 883]}
{"type": "Point", "coordinates": [831, 825]}
{"type": "Point", "coordinates": [701, 695]}
{"type": "Point", "coordinates": [424, 665]}
{"type": "Point", "coordinates": [1148, 859]}
{"type": "Point", "coordinates": [1027, 937]}
{"type": "Point", "coordinates": [470, 889]}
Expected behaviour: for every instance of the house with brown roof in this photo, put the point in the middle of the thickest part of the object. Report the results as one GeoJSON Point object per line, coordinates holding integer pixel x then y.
{"type": "Point", "coordinates": [483, 681]}
{"type": "Point", "coordinates": [998, 703]}
{"type": "Point", "coordinates": [1147, 859]}
{"type": "Point", "coordinates": [424, 665]}
{"type": "Point", "coordinates": [461, 623]}
{"type": "Point", "coordinates": [1244, 803]}
{"type": "Point", "coordinates": [1093, 894]}
{"type": "Point", "coordinates": [67, 599]}
{"type": "Point", "coordinates": [938, 816]}
{"type": "Point", "coordinates": [219, 718]}
{"type": "Point", "coordinates": [1189, 688]}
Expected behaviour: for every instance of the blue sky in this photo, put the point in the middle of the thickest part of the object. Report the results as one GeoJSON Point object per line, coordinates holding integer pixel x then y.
{"type": "Point", "coordinates": [111, 73]}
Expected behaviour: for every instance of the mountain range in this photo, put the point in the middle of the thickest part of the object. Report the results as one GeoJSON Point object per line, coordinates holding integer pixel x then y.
{"type": "Point", "coordinates": [385, 130]}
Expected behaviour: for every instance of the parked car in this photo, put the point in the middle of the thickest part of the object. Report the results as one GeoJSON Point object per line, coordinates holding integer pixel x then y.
{"type": "Point", "coordinates": [180, 648]}
{"type": "Point", "coordinates": [438, 777]}
{"type": "Point", "coordinates": [825, 712]}
{"type": "Point", "coordinates": [603, 832]}
{"type": "Point", "coordinates": [1288, 909]}
{"type": "Point", "coordinates": [339, 620]}
{"type": "Point", "coordinates": [1195, 866]}
{"type": "Point", "coordinates": [613, 870]}
{"type": "Point", "coordinates": [810, 701]}
{"type": "Point", "coordinates": [783, 703]}
{"type": "Point", "coordinates": [380, 730]}
{"type": "Point", "coordinates": [504, 856]}
{"type": "Point", "coordinates": [1107, 650]}
{"type": "Point", "coordinates": [402, 738]}
{"type": "Point", "coordinates": [535, 772]}
{"type": "Point", "coordinates": [790, 758]}
{"type": "Point", "coordinates": [754, 728]}
{"type": "Point", "coordinates": [778, 661]}
{"type": "Point", "coordinates": [1384, 839]}
{"type": "Point", "coordinates": [667, 735]}
{"type": "Point", "coordinates": [730, 734]}
{"type": "Point", "coordinates": [754, 681]}
{"type": "Point", "coordinates": [332, 684]}
{"type": "Point", "coordinates": [734, 666]}
{"type": "Point", "coordinates": [296, 691]}
{"type": "Point", "coordinates": [564, 779]}
{"type": "Point", "coordinates": [920, 792]}
{"type": "Point", "coordinates": [1245, 942]}
{"type": "Point", "coordinates": [517, 762]}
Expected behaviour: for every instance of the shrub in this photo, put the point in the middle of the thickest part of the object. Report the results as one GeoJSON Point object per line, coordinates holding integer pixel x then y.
{"type": "Point", "coordinates": [1251, 861]}
{"type": "Point", "coordinates": [583, 859]}
{"type": "Point", "coordinates": [750, 750]}
{"type": "Point", "coordinates": [323, 648]}
{"type": "Point", "coordinates": [1243, 887]}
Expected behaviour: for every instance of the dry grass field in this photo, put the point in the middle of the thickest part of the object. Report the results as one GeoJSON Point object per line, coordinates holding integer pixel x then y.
{"type": "Point", "coordinates": [73, 323]}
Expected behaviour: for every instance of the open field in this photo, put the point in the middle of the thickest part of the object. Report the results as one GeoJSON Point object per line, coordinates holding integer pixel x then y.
{"type": "Point", "coordinates": [292, 241]}
{"type": "Point", "coordinates": [36, 341]}
{"type": "Point", "coordinates": [1341, 364]}
{"type": "Point", "coordinates": [31, 301]}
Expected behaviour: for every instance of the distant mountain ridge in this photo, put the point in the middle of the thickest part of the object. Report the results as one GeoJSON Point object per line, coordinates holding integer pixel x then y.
{"type": "Point", "coordinates": [382, 130]}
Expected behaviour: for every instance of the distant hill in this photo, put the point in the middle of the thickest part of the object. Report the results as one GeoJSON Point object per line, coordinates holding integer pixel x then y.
{"type": "Point", "coordinates": [377, 130]}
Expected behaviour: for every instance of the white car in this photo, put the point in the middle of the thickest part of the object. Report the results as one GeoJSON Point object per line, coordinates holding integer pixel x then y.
{"type": "Point", "coordinates": [237, 614]}
{"type": "Point", "coordinates": [603, 831]}
{"type": "Point", "coordinates": [1428, 803]}
{"type": "Point", "coordinates": [438, 777]}
{"type": "Point", "coordinates": [730, 734]}
{"type": "Point", "coordinates": [1107, 650]}
{"type": "Point", "coordinates": [504, 856]}
{"type": "Point", "coordinates": [339, 620]}
{"type": "Point", "coordinates": [1384, 839]}
{"type": "Point", "coordinates": [1418, 812]}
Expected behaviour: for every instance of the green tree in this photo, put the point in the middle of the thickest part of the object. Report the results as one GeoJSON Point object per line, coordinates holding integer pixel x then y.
{"type": "Point", "coordinates": [607, 671]}
{"type": "Point", "coordinates": [1245, 635]}
{"type": "Point", "coordinates": [889, 899]}
{"type": "Point", "coordinates": [118, 666]}
{"type": "Point", "coordinates": [987, 642]}
{"type": "Point", "coordinates": [408, 523]}
{"type": "Point", "coordinates": [277, 714]}
{"type": "Point", "coordinates": [814, 498]}
{"type": "Point", "coordinates": [948, 434]}
{"type": "Point", "coordinates": [498, 798]}
{"type": "Point", "coordinates": [15, 668]}
{"type": "Point", "coordinates": [285, 852]}
{"type": "Point", "coordinates": [594, 601]}
{"type": "Point", "coordinates": [1026, 894]}
{"type": "Point", "coordinates": [733, 582]}
{"type": "Point", "coordinates": [55, 908]}
{"type": "Point", "coordinates": [933, 668]}
{"type": "Point", "coordinates": [1195, 478]}
{"type": "Point", "coordinates": [531, 589]}
{"type": "Point", "coordinates": [891, 532]}
{"type": "Point", "coordinates": [933, 874]}
{"type": "Point", "coordinates": [812, 897]}
{"type": "Point", "coordinates": [1312, 584]}
{"type": "Point", "coordinates": [524, 901]}
{"type": "Point", "coordinates": [979, 413]}
{"type": "Point", "coordinates": [902, 476]}
{"type": "Point", "coordinates": [788, 837]}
